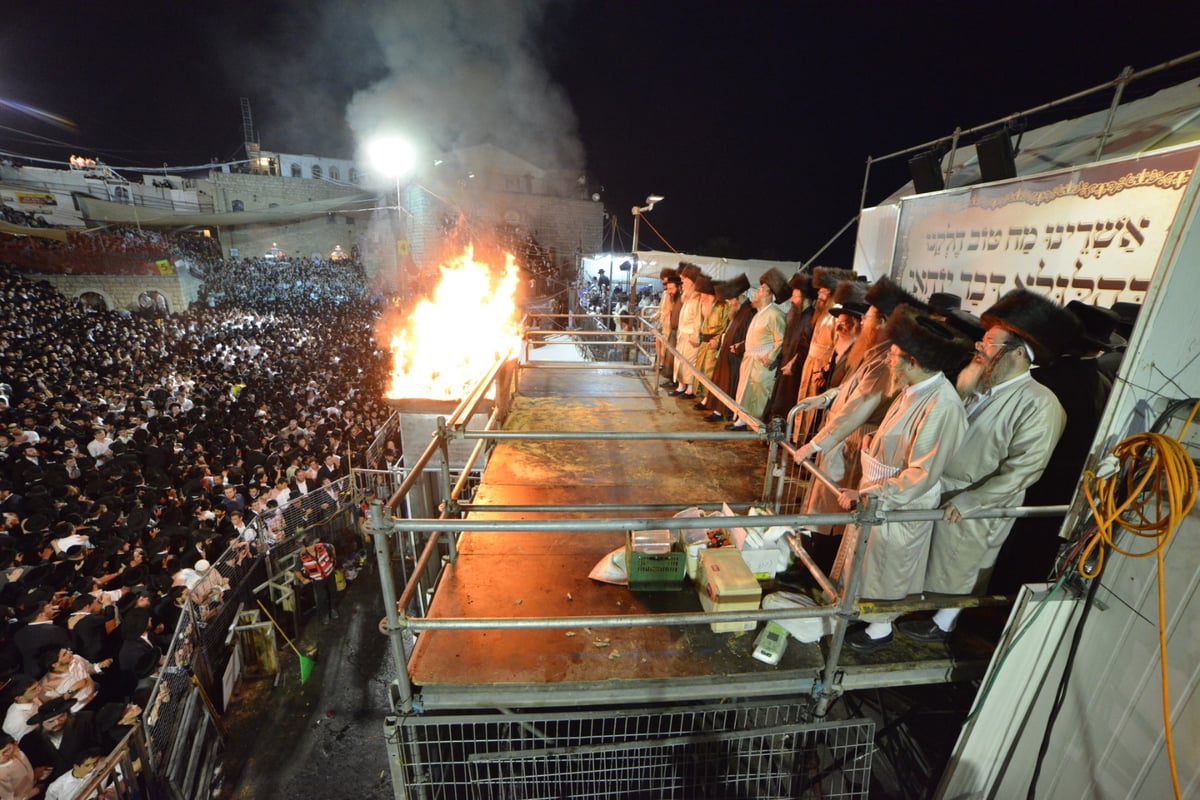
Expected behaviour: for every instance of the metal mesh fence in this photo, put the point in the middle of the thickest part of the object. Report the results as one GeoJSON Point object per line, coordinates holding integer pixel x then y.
{"type": "Point", "coordinates": [730, 750]}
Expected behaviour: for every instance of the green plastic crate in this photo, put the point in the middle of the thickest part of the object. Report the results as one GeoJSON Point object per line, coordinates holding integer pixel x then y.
{"type": "Point", "coordinates": [654, 572]}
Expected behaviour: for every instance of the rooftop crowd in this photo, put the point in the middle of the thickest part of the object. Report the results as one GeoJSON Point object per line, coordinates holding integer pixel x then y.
{"type": "Point", "coordinates": [133, 451]}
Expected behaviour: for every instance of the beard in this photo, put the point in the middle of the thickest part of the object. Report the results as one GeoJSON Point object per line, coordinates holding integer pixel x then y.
{"type": "Point", "coordinates": [821, 307]}
{"type": "Point", "coordinates": [970, 378]}
{"type": "Point", "coordinates": [868, 336]}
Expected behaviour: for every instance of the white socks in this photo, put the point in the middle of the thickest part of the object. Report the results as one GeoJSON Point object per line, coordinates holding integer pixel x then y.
{"type": "Point", "coordinates": [945, 618]}
{"type": "Point", "coordinates": [878, 630]}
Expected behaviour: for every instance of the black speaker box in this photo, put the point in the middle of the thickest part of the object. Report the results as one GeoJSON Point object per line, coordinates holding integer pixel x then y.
{"type": "Point", "coordinates": [996, 157]}
{"type": "Point", "coordinates": [926, 171]}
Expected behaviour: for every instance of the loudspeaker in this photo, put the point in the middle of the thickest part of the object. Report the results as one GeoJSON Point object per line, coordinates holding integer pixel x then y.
{"type": "Point", "coordinates": [926, 171]}
{"type": "Point", "coordinates": [995, 155]}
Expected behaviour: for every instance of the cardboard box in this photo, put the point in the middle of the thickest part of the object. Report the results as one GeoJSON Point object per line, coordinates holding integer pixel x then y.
{"type": "Point", "coordinates": [725, 583]}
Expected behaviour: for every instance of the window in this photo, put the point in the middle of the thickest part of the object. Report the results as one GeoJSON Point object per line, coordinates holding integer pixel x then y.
{"type": "Point", "coordinates": [353, 175]}
{"type": "Point", "coordinates": [335, 174]}
{"type": "Point", "coordinates": [316, 171]}
{"type": "Point", "coordinates": [297, 171]}
{"type": "Point", "coordinates": [238, 205]}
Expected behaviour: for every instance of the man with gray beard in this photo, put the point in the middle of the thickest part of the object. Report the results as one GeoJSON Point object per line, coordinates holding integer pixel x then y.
{"type": "Point", "coordinates": [1014, 425]}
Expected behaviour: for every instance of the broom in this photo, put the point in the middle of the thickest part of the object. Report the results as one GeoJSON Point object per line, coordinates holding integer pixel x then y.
{"type": "Point", "coordinates": [306, 663]}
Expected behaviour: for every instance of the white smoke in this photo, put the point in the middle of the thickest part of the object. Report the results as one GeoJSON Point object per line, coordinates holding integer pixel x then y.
{"type": "Point", "coordinates": [462, 73]}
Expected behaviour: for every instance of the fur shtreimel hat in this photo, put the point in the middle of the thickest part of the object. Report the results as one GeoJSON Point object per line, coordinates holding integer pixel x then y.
{"type": "Point", "coordinates": [850, 292]}
{"type": "Point", "coordinates": [936, 346]}
{"type": "Point", "coordinates": [666, 272]}
{"type": "Point", "coordinates": [1041, 323]}
{"type": "Point", "coordinates": [885, 294]}
{"type": "Point", "coordinates": [704, 284]}
{"type": "Point", "coordinates": [689, 270]}
{"type": "Point", "coordinates": [964, 322]}
{"type": "Point", "coordinates": [803, 281]}
{"type": "Point", "coordinates": [778, 284]}
{"type": "Point", "coordinates": [727, 290]}
{"type": "Point", "coordinates": [944, 301]}
{"type": "Point", "coordinates": [830, 277]}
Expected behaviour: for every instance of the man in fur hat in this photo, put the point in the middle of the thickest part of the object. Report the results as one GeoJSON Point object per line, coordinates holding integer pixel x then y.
{"type": "Point", "coordinates": [855, 409]}
{"type": "Point", "coordinates": [796, 337]}
{"type": "Point", "coordinates": [1015, 423]}
{"type": "Point", "coordinates": [903, 463]}
{"type": "Point", "coordinates": [733, 342]}
{"type": "Point", "coordinates": [715, 316]}
{"type": "Point", "coordinates": [825, 280]}
{"type": "Point", "coordinates": [667, 320]}
{"type": "Point", "coordinates": [764, 338]}
{"type": "Point", "coordinates": [688, 340]}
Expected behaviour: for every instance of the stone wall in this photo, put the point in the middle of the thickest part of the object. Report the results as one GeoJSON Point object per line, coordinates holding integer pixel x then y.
{"type": "Point", "coordinates": [120, 292]}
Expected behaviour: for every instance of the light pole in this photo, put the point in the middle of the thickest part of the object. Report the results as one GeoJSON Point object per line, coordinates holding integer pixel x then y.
{"type": "Point", "coordinates": [394, 157]}
{"type": "Point", "coordinates": [637, 218]}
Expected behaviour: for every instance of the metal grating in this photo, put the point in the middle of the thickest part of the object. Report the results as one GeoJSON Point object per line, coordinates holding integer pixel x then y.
{"type": "Point", "coordinates": [728, 750]}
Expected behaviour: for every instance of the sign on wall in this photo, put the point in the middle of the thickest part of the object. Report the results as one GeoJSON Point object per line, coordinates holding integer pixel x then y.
{"type": "Point", "coordinates": [1092, 234]}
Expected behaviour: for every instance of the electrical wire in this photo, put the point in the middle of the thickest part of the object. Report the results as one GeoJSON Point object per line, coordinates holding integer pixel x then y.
{"type": "Point", "coordinates": [1149, 497]}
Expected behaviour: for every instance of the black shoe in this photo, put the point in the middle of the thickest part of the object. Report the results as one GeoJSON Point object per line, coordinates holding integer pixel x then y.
{"type": "Point", "coordinates": [858, 641]}
{"type": "Point", "coordinates": [700, 406]}
{"type": "Point", "coordinates": [922, 630]}
{"type": "Point", "coordinates": [667, 384]}
{"type": "Point", "coordinates": [734, 426]}
{"type": "Point", "coordinates": [688, 396]}
{"type": "Point", "coordinates": [713, 417]}
{"type": "Point", "coordinates": [796, 579]}
{"type": "Point", "coordinates": [676, 393]}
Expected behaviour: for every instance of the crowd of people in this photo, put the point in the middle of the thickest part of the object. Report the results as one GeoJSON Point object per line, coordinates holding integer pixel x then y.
{"type": "Point", "coordinates": [260, 284]}
{"type": "Point", "coordinates": [909, 403]}
{"type": "Point", "coordinates": [133, 453]}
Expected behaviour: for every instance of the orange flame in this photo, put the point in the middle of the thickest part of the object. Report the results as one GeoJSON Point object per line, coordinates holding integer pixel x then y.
{"type": "Point", "coordinates": [452, 339]}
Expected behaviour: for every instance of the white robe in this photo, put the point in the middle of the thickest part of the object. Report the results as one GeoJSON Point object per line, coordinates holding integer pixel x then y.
{"type": "Point", "coordinates": [764, 338]}
{"type": "Point", "coordinates": [922, 429]}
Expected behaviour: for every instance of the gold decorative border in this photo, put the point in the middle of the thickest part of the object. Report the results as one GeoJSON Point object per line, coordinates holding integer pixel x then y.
{"type": "Point", "coordinates": [1173, 180]}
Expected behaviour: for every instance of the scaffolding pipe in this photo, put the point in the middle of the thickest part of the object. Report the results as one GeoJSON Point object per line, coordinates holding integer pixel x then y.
{"type": "Point", "coordinates": [867, 516]}
{"type": "Point", "coordinates": [378, 525]}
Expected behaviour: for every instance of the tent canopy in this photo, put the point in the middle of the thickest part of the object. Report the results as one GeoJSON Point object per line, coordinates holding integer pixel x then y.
{"type": "Point", "coordinates": [651, 262]}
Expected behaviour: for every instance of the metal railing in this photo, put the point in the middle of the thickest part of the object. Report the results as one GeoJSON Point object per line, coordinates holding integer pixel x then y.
{"type": "Point", "coordinates": [842, 605]}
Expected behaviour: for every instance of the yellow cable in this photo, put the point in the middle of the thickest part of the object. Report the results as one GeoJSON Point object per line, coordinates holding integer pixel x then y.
{"type": "Point", "coordinates": [1156, 468]}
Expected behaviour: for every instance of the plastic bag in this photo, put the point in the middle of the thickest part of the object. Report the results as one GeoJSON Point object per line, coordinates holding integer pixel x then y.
{"type": "Point", "coordinates": [611, 569]}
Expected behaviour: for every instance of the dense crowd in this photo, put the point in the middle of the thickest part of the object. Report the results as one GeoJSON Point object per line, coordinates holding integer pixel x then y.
{"type": "Point", "coordinates": [262, 284]}
{"type": "Point", "coordinates": [133, 451]}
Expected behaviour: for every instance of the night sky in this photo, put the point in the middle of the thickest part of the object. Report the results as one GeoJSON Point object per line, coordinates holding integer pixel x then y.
{"type": "Point", "coordinates": [754, 119]}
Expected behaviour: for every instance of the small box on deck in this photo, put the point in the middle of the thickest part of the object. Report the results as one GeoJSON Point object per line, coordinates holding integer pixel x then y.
{"type": "Point", "coordinates": [725, 583]}
{"type": "Point", "coordinates": [651, 564]}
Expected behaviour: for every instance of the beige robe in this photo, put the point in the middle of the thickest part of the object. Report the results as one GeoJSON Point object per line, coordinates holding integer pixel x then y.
{"type": "Point", "coordinates": [923, 428]}
{"type": "Point", "coordinates": [1011, 436]}
{"type": "Point", "coordinates": [820, 349]}
{"type": "Point", "coordinates": [856, 411]}
{"type": "Point", "coordinates": [764, 338]}
{"type": "Point", "coordinates": [687, 340]}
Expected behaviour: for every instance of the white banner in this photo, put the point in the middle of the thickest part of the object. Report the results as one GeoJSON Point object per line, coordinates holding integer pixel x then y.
{"type": "Point", "coordinates": [1092, 234]}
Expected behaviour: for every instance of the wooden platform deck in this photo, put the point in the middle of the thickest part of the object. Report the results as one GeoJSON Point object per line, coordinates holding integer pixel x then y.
{"type": "Point", "coordinates": [542, 574]}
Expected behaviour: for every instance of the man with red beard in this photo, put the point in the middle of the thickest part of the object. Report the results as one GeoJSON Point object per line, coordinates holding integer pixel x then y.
{"type": "Point", "coordinates": [1015, 423]}
{"type": "Point", "coordinates": [855, 409]}
{"type": "Point", "coordinates": [820, 348]}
